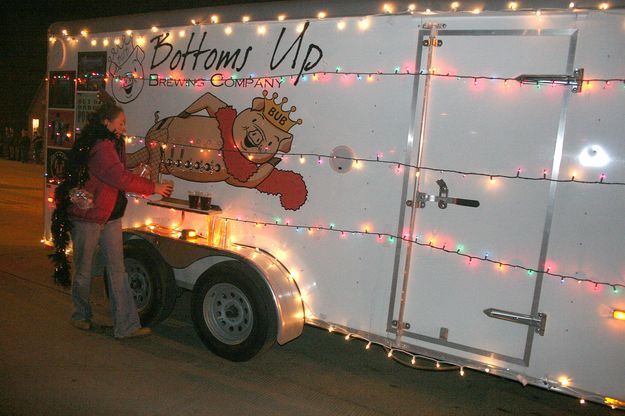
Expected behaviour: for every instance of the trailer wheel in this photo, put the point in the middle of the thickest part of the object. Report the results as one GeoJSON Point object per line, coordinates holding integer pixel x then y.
{"type": "Point", "coordinates": [233, 312]}
{"type": "Point", "coordinates": [152, 283]}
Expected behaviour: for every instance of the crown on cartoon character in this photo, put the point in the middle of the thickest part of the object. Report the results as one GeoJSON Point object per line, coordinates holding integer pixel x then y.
{"type": "Point", "coordinates": [274, 113]}
{"type": "Point", "coordinates": [120, 53]}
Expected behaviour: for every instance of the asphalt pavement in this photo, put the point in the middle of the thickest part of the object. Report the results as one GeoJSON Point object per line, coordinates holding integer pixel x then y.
{"type": "Point", "coordinates": [48, 367]}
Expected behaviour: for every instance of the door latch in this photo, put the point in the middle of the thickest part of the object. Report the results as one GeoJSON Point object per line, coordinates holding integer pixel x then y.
{"type": "Point", "coordinates": [576, 80]}
{"type": "Point", "coordinates": [538, 322]}
{"type": "Point", "coordinates": [442, 199]}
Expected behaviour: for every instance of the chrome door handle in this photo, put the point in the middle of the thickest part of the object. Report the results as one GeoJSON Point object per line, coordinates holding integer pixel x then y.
{"type": "Point", "coordinates": [442, 199]}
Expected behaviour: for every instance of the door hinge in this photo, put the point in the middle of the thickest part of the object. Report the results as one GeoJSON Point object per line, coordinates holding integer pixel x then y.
{"type": "Point", "coordinates": [437, 43]}
{"type": "Point", "coordinates": [405, 325]}
{"type": "Point", "coordinates": [538, 322]}
{"type": "Point", "coordinates": [432, 40]}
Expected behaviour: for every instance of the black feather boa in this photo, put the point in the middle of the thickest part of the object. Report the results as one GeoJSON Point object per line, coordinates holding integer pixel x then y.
{"type": "Point", "coordinates": [77, 175]}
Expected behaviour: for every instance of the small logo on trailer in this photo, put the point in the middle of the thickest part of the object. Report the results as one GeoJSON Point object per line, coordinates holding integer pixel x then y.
{"type": "Point", "coordinates": [57, 165]}
{"type": "Point", "coordinates": [126, 69]}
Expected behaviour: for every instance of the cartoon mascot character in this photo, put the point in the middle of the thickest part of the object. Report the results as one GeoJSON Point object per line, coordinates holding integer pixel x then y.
{"type": "Point", "coordinates": [126, 66]}
{"type": "Point", "coordinates": [238, 148]}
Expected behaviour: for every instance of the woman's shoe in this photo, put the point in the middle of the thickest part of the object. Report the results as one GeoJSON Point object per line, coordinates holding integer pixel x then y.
{"type": "Point", "coordinates": [140, 332]}
{"type": "Point", "coordinates": [83, 324]}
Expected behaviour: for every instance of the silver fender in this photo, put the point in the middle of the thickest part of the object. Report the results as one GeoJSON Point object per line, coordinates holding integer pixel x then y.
{"type": "Point", "coordinates": [286, 294]}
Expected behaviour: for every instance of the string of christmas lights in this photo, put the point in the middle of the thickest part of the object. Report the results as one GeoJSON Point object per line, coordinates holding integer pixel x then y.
{"type": "Point", "coordinates": [189, 164]}
{"type": "Point", "coordinates": [386, 9]}
{"type": "Point", "coordinates": [360, 75]}
{"type": "Point", "coordinates": [562, 384]}
{"type": "Point", "coordinates": [440, 365]}
{"type": "Point", "coordinates": [458, 251]}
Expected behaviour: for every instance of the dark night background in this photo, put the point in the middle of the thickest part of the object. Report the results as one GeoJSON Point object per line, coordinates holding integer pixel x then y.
{"type": "Point", "coordinates": [23, 42]}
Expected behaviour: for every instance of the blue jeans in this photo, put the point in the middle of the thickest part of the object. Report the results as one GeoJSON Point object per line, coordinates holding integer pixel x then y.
{"type": "Point", "coordinates": [86, 236]}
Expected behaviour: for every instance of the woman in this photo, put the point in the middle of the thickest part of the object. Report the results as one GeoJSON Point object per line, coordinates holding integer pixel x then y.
{"type": "Point", "coordinates": [90, 204]}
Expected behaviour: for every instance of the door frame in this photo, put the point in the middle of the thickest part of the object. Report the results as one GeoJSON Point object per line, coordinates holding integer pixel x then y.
{"type": "Point", "coordinates": [395, 324]}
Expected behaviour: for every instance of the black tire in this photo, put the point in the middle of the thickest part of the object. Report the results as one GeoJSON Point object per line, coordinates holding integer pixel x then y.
{"type": "Point", "coordinates": [233, 311]}
{"type": "Point", "coordinates": [151, 281]}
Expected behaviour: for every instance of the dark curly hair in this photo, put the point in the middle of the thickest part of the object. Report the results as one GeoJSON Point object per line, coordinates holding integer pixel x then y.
{"type": "Point", "coordinates": [108, 110]}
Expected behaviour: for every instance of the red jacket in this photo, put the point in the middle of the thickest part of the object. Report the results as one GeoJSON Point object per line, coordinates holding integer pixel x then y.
{"type": "Point", "coordinates": [107, 176]}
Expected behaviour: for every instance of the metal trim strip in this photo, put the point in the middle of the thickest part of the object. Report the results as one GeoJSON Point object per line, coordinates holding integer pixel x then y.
{"type": "Point", "coordinates": [406, 183]}
{"type": "Point", "coordinates": [466, 348]}
{"type": "Point", "coordinates": [553, 186]}
{"type": "Point", "coordinates": [508, 32]}
{"type": "Point", "coordinates": [404, 193]}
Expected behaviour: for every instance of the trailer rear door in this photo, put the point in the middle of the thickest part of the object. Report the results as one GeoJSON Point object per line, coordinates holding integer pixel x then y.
{"type": "Point", "coordinates": [473, 121]}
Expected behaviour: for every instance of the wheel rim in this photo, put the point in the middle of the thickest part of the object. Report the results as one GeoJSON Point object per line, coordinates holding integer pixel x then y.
{"type": "Point", "coordinates": [228, 313]}
{"type": "Point", "coordinates": [138, 278]}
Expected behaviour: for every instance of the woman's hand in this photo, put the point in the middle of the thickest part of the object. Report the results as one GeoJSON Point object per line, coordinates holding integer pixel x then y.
{"type": "Point", "coordinates": [164, 189]}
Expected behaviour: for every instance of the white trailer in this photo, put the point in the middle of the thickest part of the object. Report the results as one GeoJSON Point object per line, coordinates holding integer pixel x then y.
{"type": "Point", "coordinates": [449, 185]}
